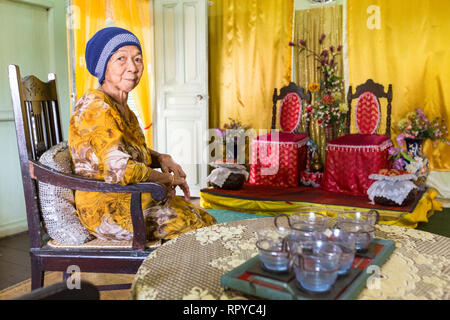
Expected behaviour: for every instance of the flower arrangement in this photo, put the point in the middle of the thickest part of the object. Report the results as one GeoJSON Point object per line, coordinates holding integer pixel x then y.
{"type": "Point", "coordinates": [327, 106]}
{"type": "Point", "coordinates": [231, 131]}
{"type": "Point", "coordinates": [399, 158]}
{"type": "Point", "coordinates": [415, 125]}
{"type": "Point", "coordinates": [402, 160]}
{"type": "Point", "coordinates": [233, 146]}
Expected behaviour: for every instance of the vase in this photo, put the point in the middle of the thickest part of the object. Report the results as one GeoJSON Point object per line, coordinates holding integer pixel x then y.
{"type": "Point", "coordinates": [230, 151]}
{"type": "Point", "coordinates": [414, 147]}
{"type": "Point", "coordinates": [329, 132]}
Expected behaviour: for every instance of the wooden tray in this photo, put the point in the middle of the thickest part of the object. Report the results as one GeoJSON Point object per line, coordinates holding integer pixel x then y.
{"type": "Point", "coordinates": [252, 278]}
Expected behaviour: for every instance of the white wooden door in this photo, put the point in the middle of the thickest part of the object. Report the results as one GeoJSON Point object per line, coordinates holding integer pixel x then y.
{"type": "Point", "coordinates": [181, 85]}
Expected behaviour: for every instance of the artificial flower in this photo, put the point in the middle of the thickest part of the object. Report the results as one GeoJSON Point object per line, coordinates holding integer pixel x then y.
{"type": "Point", "coordinates": [343, 107]}
{"type": "Point", "coordinates": [416, 125]}
{"type": "Point", "coordinates": [399, 164]}
{"type": "Point", "coordinates": [322, 37]}
{"type": "Point", "coordinates": [231, 131]}
{"type": "Point", "coordinates": [337, 95]}
{"type": "Point", "coordinates": [328, 93]}
{"type": "Point", "coordinates": [314, 87]}
{"type": "Point", "coordinates": [327, 99]}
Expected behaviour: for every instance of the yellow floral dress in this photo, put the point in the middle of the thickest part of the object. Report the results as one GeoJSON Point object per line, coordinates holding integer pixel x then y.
{"type": "Point", "coordinates": [104, 146]}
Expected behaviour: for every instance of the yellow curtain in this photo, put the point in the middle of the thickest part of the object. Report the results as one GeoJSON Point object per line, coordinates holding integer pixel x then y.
{"type": "Point", "coordinates": [309, 25]}
{"type": "Point", "coordinates": [437, 104]}
{"type": "Point", "coordinates": [133, 15]}
{"type": "Point", "coordinates": [403, 42]}
{"type": "Point", "coordinates": [90, 17]}
{"type": "Point", "coordinates": [249, 56]}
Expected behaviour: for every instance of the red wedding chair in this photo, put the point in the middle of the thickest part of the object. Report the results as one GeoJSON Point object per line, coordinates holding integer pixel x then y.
{"type": "Point", "coordinates": [351, 158]}
{"type": "Point", "coordinates": [278, 157]}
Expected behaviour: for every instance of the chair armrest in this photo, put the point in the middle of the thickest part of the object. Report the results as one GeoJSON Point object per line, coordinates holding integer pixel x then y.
{"type": "Point", "coordinates": [43, 173]}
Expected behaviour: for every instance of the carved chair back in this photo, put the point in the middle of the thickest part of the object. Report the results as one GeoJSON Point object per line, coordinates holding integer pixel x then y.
{"type": "Point", "coordinates": [292, 99]}
{"type": "Point", "coordinates": [367, 113]}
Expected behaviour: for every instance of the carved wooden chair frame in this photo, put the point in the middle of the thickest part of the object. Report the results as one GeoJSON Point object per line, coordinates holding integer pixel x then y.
{"type": "Point", "coordinates": [291, 88]}
{"type": "Point", "coordinates": [378, 90]}
{"type": "Point", "coordinates": [38, 127]}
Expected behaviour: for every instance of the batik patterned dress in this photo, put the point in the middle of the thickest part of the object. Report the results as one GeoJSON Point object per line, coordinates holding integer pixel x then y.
{"type": "Point", "coordinates": [105, 146]}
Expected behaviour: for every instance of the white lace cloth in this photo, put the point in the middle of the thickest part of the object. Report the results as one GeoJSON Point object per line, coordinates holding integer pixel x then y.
{"type": "Point", "coordinates": [396, 191]}
{"type": "Point", "coordinates": [219, 175]}
{"type": "Point", "coordinates": [395, 188]}
{"type": "Point", "coordinates": [190, 266]}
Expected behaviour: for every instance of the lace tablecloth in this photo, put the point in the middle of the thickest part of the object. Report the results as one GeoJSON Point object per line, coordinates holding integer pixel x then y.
{"type": "Point", "coordinates": [190, 266]}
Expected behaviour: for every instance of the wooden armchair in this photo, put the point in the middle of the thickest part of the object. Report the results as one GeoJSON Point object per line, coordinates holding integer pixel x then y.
{"type": "Point", "coordinates": [38, 127]}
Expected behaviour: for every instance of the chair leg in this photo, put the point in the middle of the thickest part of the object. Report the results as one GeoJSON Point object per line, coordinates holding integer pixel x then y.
{"type": "Point", "coordinates": [37, 275]}
{"type": "Point", "coordinates": [65, 276]}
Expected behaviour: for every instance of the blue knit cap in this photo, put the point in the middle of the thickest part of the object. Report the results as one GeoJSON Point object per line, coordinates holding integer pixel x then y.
{"type": "Point", "coordinates": [101, 47]}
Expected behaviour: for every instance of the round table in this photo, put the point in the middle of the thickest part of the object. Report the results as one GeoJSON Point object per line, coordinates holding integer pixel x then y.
{"type": "Point", "coordinates": [190, 266]}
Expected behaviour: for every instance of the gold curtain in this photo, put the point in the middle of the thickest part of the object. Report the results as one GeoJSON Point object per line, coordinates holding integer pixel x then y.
{"type": "Point", "coordinates": [133, 15]}
{"type": "Point", "coordinates": [90, 16]}
{"type": "Point", "coordinates": [403, 42]}
{"type": "Point", "coordinates": [249, 56]}
{"type": "Point", "coordinates": [309, 25]}
{"type": "Point", "coordinates": [437, 104]}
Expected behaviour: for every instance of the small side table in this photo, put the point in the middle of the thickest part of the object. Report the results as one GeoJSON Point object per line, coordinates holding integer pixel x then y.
{"type": "Point", "coordinates": [277, 158]}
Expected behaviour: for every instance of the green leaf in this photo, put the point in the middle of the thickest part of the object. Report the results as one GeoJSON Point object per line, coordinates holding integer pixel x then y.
{"type": "Point", "coordinates": [406, 156]}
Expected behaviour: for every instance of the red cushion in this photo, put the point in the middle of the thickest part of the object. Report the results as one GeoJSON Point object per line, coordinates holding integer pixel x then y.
{"type": "Point", "coordinates": [285, 137]}
{"type": "Point", "coordinates": [290, 112]}
{"type": "Point", "coordinates": [367, 113]}
{"type": "Point", "coordinates": [359, 139]}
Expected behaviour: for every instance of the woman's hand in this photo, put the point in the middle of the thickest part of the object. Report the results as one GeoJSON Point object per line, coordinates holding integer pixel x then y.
{"type": "Point", "coordinates": [179, 176]}
{"type": "Point", "coordinates": [174, 181]}
{"type": "Point", "coordinates": [169, 166]}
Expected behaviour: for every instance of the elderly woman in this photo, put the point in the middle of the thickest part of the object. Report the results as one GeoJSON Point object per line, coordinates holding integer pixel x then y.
{"type": "Point", "coordinates": [106, 143]}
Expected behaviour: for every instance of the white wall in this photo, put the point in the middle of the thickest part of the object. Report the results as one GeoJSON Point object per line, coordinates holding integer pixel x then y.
{"type": "Point", "coordinates": [33, 34]}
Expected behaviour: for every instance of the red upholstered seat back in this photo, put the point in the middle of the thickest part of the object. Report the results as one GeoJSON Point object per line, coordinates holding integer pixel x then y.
{"type": "Point", "coordinates": [290, 112]}
{"type": "Point", "coordinates": [367, 113]}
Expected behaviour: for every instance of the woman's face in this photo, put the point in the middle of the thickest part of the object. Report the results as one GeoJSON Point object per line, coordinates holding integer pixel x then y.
{"type": "Point", "coordinates": [124, 69]}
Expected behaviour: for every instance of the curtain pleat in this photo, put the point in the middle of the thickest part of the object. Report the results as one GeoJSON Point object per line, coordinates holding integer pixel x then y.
{"type": "Point", "coordinates": [404, 42]}
{"type": "Point", "coordinates": [309, 25]}
{"type": "Point", "coordinates": [249, 56]}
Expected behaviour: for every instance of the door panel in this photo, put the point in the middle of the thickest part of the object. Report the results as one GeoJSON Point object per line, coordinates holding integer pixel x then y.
{"type": "Point", "coordinates": [192, 46]}
{"type": "Point", "coordinates": [33, 37]}
{"type": "Point", "coordinates": [170, 45]}
{"type": "Point", "coordinates": [181, 85]}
